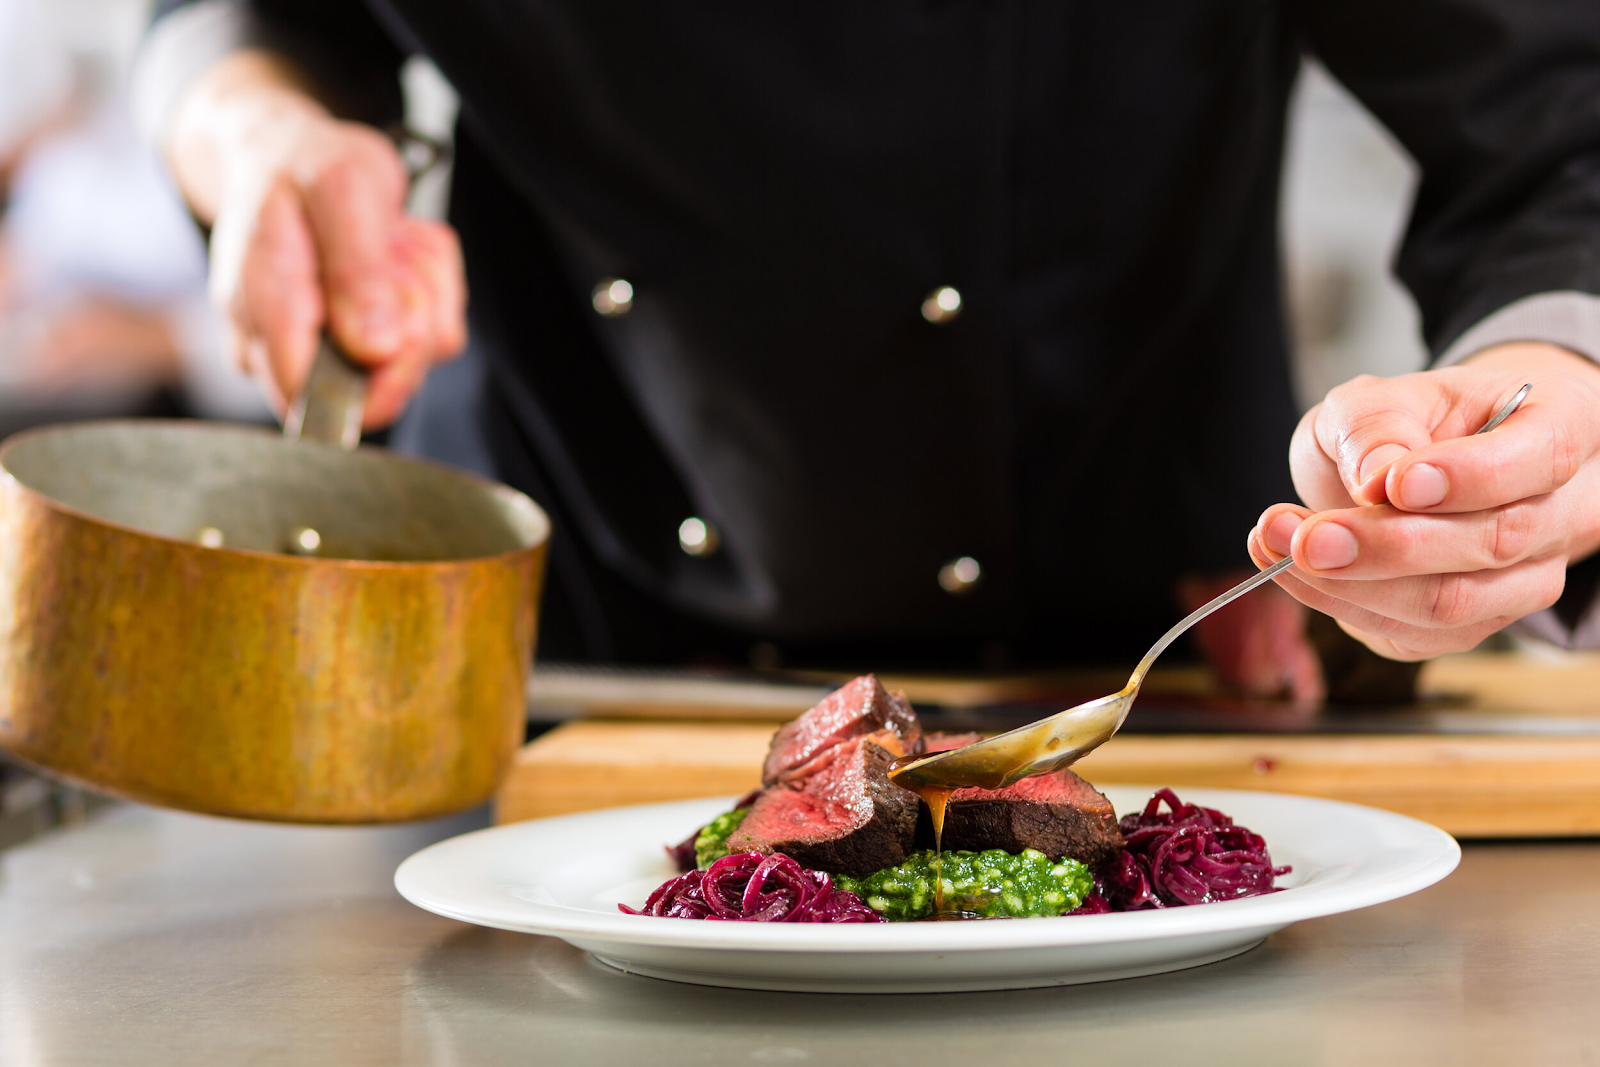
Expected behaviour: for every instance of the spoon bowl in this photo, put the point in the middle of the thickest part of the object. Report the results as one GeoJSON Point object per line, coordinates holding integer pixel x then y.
{"type": "Point", "coordinates": [1038, 748]}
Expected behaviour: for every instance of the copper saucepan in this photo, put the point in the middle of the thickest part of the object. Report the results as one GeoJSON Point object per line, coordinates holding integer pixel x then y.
{"type": "Point", "coordinates": [230, 621]}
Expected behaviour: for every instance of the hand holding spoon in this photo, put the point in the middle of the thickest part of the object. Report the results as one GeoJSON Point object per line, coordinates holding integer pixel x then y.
{"type": "Point", "coordinates": [1067, 736]}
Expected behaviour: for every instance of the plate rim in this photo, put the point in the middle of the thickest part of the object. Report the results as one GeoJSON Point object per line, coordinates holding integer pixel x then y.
{"type": "Point", "coordinates": [1293, 904]}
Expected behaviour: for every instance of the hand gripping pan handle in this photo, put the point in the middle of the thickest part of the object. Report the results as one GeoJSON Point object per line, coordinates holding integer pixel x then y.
{"type": "Point", "coordinates": [330, 405]}
{"type": "Point", "coordinates": [329, 408]}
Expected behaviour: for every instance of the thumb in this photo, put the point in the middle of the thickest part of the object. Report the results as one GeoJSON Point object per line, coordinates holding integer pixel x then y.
{"type": "Point", "coordinates": [1368, 423]}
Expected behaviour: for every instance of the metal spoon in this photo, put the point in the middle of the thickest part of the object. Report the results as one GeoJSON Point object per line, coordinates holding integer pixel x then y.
{"type": "Point", "coordinates": [1067, 736]}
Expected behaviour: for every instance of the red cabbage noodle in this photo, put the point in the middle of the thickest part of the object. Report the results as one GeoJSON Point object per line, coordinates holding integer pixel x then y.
{"type": "Point", "coordinates": [1095, 903]}
{"type": "Point", "coordinates": [1184, 855]}
{"type": "Point", "coordinates": [750, 887]}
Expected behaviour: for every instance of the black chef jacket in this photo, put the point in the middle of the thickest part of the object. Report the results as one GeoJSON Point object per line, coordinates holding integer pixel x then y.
{"type": "Point", "coordinates": [783, 185]}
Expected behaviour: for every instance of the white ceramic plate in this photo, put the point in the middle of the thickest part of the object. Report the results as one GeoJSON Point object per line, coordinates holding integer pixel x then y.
{"type": "Point", "coordinates": [564, 877]}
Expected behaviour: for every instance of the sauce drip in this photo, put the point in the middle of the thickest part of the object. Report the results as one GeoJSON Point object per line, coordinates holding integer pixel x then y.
{"type": "Point", "coordinates": [937, 797]}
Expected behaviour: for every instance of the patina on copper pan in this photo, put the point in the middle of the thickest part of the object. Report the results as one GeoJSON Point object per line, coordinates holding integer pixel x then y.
{"type": "Point", "coordinates": [381, 679]}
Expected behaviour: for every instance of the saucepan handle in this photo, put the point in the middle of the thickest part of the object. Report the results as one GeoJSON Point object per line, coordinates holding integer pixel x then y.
{"type": "Point", "coordinates": [330, 405]}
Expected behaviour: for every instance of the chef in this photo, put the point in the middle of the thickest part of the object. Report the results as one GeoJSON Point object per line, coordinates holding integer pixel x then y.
{"type": "Point", "coordinates": [935, 330]}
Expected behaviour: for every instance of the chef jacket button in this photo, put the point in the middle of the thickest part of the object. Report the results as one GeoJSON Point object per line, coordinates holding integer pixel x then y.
{"type": "Point", "coordinates": [941, 305]}
{"type": "Point", "coordinates": [613, 297]}
{"type": "Point", "coordinates": [960, 575]}
{"type": "Point", "coordinates": [697, 537]}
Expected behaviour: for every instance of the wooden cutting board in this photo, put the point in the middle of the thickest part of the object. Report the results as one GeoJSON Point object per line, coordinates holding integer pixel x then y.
{"type": "Point", "coordinates": [1503, 785]}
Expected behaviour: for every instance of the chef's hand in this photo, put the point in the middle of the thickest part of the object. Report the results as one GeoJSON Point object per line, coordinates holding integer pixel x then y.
{"type": "Point", "coordinates": [1257, 645]}
{"type": "Point", "coordinates": [309, 230]}
{"type": "Point", "coordinates": [1421, 539]}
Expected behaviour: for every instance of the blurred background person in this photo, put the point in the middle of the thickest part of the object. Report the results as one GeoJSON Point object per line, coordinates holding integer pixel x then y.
{"type": "Point", "coordinates": [103, 307]}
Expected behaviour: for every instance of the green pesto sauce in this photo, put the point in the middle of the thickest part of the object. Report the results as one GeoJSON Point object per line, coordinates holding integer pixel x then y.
{"type": "Point", "coordinates": [992, 883]}
{"type": "Point", "coordinates": [712, 844]}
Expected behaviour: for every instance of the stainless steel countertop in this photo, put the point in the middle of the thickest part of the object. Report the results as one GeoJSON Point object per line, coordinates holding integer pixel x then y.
{"type": "Point", "coordinates": [150, 937]}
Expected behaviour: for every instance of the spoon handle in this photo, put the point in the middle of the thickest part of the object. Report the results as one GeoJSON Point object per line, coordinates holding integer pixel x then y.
{"type": "Point", "coordinates": [1201, 612]}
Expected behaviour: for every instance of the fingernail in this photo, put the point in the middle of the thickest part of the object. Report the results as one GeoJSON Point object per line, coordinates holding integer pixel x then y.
{"type": "Point", "coordinates": [1280, 532]}
{"type": "Point", "coordinates": [1380, 458]}
{"type": "Point", "coordinates": [1330, 547]}
{"type": "Point", "coordinates": [1423, 486]}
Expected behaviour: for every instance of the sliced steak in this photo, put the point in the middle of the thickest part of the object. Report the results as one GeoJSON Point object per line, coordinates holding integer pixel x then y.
{"type": "Point", "coordinates": [846, 817]}
{"type": "Point", "coordinates": [1059, 814]}
{"type": "Point", "coordinates": [943, 742]}
{"type": "Point", "coordinates": [862, 707]}
{"type": "Point", "coordinates": [887, 740]}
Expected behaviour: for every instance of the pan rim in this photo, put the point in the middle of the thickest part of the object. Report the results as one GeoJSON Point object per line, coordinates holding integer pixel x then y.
{"type": "Point", "coordinates": [542, 525]}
